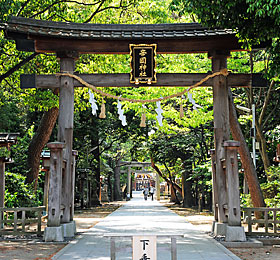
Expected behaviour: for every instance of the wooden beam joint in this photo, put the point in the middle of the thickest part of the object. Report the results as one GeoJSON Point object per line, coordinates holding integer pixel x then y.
{"type": "Point", "coordinates": [67, 54]}
{"type": "Point", "coordinates": [218, 54]}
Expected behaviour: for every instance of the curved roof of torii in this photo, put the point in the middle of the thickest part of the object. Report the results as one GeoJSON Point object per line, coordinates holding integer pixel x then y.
{"type": "Point", "coordinates": [48, 36]}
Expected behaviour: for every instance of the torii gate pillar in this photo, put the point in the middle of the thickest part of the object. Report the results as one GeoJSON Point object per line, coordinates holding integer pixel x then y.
{"type": "Point", "coordinates": [225, 170]}
{"type": "Point", "coordinates": [221, 129]}
{"type": "Point", "coordinates": [65, 129]}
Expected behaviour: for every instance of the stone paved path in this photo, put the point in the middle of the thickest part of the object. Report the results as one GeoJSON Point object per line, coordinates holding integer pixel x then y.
{"type": "Point", "coordinates": [144, 217]}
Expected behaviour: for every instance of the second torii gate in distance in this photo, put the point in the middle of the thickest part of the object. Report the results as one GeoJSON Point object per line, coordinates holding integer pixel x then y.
{"type": "Point", "coordinates": [142, 165]}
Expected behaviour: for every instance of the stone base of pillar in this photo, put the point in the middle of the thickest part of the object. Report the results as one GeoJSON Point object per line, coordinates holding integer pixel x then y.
{"type": "Point", "coordinates": [53, 234]}
{"type": "Point", "coordinates": [220, 229]}
{"type": "Point", "coordinates": [235, 234]}
{"type": "Point", "coordinates": [69, 229]}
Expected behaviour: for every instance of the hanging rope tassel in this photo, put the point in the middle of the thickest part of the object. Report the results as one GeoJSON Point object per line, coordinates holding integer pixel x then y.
{"type": "Point", "coordinates": [103, 111]}
{"type": "Point", "coordinates": [143, 120]}
{"type": "Point", "coordinates": [182, 114]}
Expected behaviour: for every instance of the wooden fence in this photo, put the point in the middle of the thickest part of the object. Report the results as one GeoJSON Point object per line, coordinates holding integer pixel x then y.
{"type": "Point", "coordinates": [20, 221]}
{"type": "Point", "coordinates": [269, 221]}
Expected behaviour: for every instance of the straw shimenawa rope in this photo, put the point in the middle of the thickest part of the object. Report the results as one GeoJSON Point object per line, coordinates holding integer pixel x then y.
{"type": "Point", "coordinates": [223, 72]}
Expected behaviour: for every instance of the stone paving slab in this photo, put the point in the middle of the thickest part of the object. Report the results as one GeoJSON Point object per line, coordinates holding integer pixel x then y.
{"type": "Point", "coordinates": [142, 217]}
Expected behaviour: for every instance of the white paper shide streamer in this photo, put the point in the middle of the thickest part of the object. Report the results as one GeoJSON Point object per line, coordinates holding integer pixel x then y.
{"type": "Point", "coordinates": [158, 110]}
{"type": "Point", "coordinates": [92, 101]}
{"type": "Point", "coordinates": [195, 106]}
{"type": "Point", "coordinates": [159, 113]}
{"type": "Point", "coordinates": [122, 117]}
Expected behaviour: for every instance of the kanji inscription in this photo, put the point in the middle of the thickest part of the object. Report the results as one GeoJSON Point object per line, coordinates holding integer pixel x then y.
{"type": "Point", "coordinates": [142, 61]}
{"type": "Point", "coordinates": [144, 248]}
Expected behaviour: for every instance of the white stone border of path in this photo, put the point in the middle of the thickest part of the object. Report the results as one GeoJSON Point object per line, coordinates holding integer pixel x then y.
{"type": "Point", "coordinates": [218, 244]}
{"type": "Point", "coordinates": [228, 252]}
{"type": "Point", "coordinates": [77, 239]}
{"type": "Point", "coordinates": [70, 244]}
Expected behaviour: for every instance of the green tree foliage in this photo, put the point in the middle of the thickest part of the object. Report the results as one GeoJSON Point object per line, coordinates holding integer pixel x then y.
{"type": "Point", "coordinates": [257, 24]}
{"type": "Point", "coordinates": [20, 194]}
{"type": "Point", "coordinates": [185, 153]}
{"type": "Point", "coordinates": [255, 20]}
{"type": "Point", "coordinates": [90, 131]}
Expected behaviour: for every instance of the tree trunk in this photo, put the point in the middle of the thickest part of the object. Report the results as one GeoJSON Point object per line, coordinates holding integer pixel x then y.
{"type": "Point", "coordinates": [97, 176]}
{"type": "Point", "coordinates": [117, 185]}
{"type": "Point", "coordinates": [259, 125]}
{"type": "Point", "coordinates": [96, 191]}
{"type": "Point", "coordinates": [247, 163]}
{"type": "Point", "coordinates": [187, 185]}
{"type": "Point", "coordinates": [38, 142]}
{"type": "Point", "coordinates": [173, 197]}
{"type": "Point", "coordinates": [110, 189]}
{"type": "Point", "coordinates": [176, 186]}
{"type": "Point", "coordinates": [263, 148]}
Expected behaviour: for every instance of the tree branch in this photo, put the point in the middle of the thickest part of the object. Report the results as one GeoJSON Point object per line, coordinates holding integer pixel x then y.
{"type": "Point", "coordinates": [95, 12]}
{"type": "Point", "coordinates": [177, 201]}
{"type": "Point", "coordinates": [108, 147]}
{"type": "Point", "coordinates": [60, 16]}
{"type": "Point", "coordinates": [259, 98]}
{"type": "Point", "coordinates": [266, 101]}
{"type": "Point", "coordinates": [271, 113]}
{"type": "Point", "coordinates": [98, 9]}
{"type": "Point", "coordinates": [193, 19]}
{"type": "Point", "coordinates": [19, 65]}
{"type": "Point", "coordinates": [60, 2]}
{"type": "Point", "coordinates": [247, 91]}
{"type": "Point", "coordinates": [22, 7]}
{"type": "Point", "coordinates": [169, 172]}
{"type": "Point", "coordinates": [263, 147]}
{"type": "Point", "coordinates": [176, 186]}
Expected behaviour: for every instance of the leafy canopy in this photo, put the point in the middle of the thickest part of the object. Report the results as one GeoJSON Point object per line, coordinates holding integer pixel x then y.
{"type": "Point", "coordinates": [255, 20]}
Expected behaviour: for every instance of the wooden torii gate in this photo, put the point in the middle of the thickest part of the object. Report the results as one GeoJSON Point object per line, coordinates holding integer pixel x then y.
{"type": "Point", "coordinates": [68, 40]}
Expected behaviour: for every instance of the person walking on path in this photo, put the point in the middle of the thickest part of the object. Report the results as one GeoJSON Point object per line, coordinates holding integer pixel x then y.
{"type": "Point", "coordinates": [146, 192]}
{"type": "Point", "coordinates": [152, 191]}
